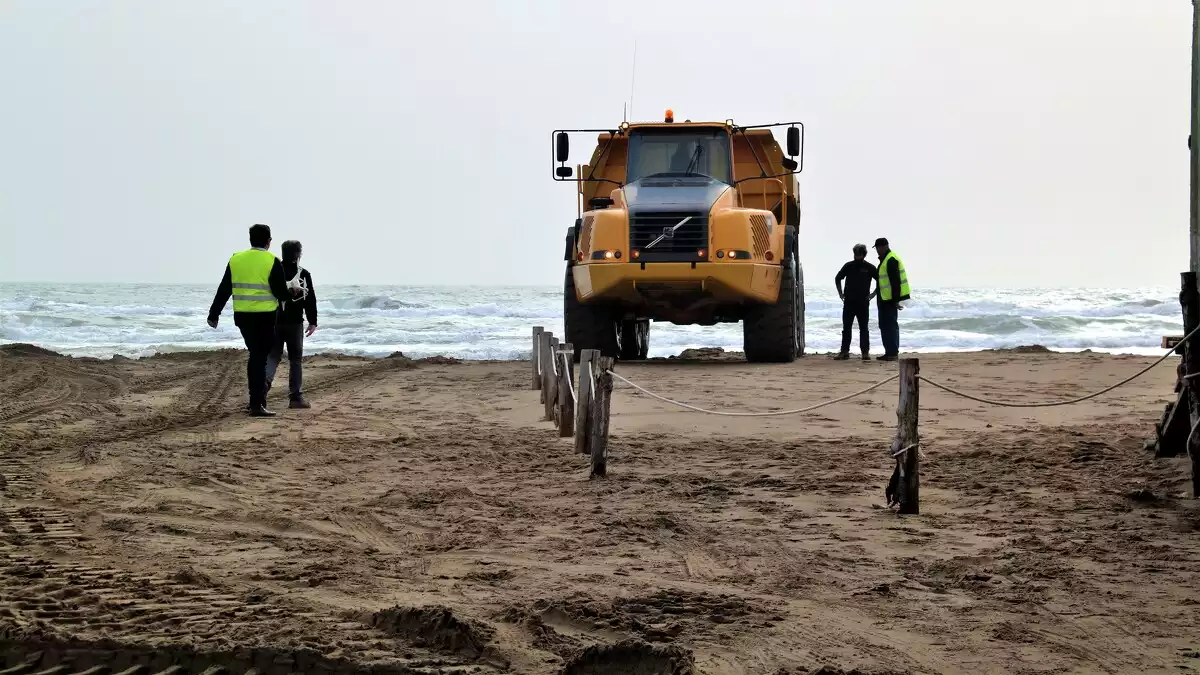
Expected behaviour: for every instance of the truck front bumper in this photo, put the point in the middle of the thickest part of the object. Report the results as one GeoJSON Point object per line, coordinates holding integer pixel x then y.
{"type": "Point", "coordinates": [723, 281]}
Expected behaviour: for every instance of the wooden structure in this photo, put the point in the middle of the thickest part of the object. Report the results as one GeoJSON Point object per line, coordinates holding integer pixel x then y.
{"type": "Point", "coordinates": [1171, 432]}
{"type": "Point", "coordinates": [1189, 380]}
{"type": "Point", "coordinates": [599, 413]}
{"type": "Point", "coordinates": [579, 405]}
{"type": "Point", "coordinates": [583, 404]}
{"type": "Point", "coordinates": [565, 414]}
{"type": "Point", "coordinates": [535, 357]}
{"type": "Point", "coordinates": [904, 489]}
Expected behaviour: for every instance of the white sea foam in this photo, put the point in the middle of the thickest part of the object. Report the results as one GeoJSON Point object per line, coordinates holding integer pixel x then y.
{"type": "Point", "coordinates": [494, 323]}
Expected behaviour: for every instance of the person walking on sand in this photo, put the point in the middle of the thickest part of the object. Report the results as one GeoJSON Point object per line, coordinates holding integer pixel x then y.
{"type": "Point", "coordinates": [289, 329]}
{"type": "Point", "coordinates": [892, 288]}
{"type": "Point", "coordinates": [254, 279]}
{"type": "Point", "coordinates": [856, 301]}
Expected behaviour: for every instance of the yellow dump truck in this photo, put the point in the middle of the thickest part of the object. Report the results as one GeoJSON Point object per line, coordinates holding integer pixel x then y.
{"type": "Point", "coordinates": [691, 223]}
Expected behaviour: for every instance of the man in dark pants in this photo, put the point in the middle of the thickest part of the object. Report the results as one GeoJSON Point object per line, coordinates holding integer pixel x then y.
{"type": "Point", "coordinates": [254, 278]}
{"type": "Point", "coordinates": [892, 289]}
{"type": "Point", "coordinates": [856, 301]}
{"type": "Point", "coordinates": [289, 330]}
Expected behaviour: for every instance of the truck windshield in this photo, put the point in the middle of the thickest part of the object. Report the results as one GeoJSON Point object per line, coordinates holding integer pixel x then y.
{"type": "Point", "coordinates": [686, 152]}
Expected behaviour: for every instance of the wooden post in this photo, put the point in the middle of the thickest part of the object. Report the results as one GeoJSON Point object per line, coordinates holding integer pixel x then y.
{"type": "Point", "coordinates": [905, 487]}
{"type": "Point", "coordinates": [566, 399]}
{"type": "Point", "coordinates": [583, 407]}
{"type": "Point", "coordinates": [543, 345]}
{"type": "Point", "coordinates": [549, 377]}
{"type": "Point", "coordinates": [598, 424]}
{"type": "Point", "coordinates": [1171, 432]}
{"type": "Point", "coordinates": [1189, 297]}
{"type": "Point", "coordinates": [1194, 143]}
{"type": "Point", "coordinates": [535, 355]}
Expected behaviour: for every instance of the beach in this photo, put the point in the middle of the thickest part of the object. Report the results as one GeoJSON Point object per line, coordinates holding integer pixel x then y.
{"type": "Point", "coordinates": [422, 518]}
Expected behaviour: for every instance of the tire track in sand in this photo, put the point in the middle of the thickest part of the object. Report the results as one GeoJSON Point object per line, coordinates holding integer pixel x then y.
{"type": "Point", "coordinates": [81, 599]}
{"type": "Point", "coordinates": [206, 400]}
{"type": "Point", "coordinates": [41, 384]}
{"type": "Point", "coordinates": [42, 656]}
{"type": "Point", "coordinates": [42, 402]}
{"type": "Point", "coordinates": [202, 402]}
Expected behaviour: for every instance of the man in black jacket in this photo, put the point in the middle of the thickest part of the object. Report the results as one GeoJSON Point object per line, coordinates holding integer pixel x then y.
{"type": "Point", "coordinates": [289, 330]}
{"type": "Point", "coordinates": [856, 301]}
{"type": "Point", "coordinates": [257, 320]}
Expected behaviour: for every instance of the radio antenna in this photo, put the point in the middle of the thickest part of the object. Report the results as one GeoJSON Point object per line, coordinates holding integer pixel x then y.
{"type": "Point", "coordinates": [633, 78]}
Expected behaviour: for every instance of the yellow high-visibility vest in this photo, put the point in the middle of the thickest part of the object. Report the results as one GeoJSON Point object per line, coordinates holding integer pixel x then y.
{"type": "Point", "coordinates": [250, 272]}
{"type": "Point", "coordinates": [885, 282]}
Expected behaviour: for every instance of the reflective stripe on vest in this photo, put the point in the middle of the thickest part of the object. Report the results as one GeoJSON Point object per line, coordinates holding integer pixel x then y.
{"type": "Point", "coordinates": [250, 272]}
{"type": "Point", "coordinates": [885, 281]}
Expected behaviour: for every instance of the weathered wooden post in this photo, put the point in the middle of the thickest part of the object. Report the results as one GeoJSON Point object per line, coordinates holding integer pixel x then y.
{"type": "Point", "coordinates": [550, 379]}
{"type": "Point", "coordinates": [535, 355]}
{"type": "Point", "coordinates": [1191, 351]}
{"type": "Point", "coordinates": [1171, 433]}
{"type": "Point", "coordinates": [598, 424]}
{"type": "Point", "coordinates": [583, 406]}
{"type": "Point", "coordinates": [1189, 297]}
{"type": "Point", "coordinates": [566, 399]}
{"type": "Point", "coordinates": [543, 364]}
{"type": "Point", "coordinates": [904, 489]}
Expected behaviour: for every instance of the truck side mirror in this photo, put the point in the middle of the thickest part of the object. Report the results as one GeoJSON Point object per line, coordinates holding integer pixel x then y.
{"type": "Point", "coordinates": [793, 141]}
{"type": "Point", "coordinates": [563, 172]}
{"type": "Point", "coordinates": [562, 147]}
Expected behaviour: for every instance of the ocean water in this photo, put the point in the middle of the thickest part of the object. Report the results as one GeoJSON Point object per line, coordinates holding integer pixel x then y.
{"type": "Point", "coordinates": [134, 320]}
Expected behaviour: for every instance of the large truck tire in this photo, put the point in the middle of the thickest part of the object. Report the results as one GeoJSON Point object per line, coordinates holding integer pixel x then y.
{"type": "Point", "coordinates": [802, 338]}
{"type": "Point", "coordinates": [774, 333]}
{"type": "Point", "coordinates": [635, 339]}
{"type": "Point", "coordinates": [587, 326]}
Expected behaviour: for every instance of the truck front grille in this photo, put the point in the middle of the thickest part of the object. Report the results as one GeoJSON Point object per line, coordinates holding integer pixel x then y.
{"type": "Point", "coordinates": [681, 245]}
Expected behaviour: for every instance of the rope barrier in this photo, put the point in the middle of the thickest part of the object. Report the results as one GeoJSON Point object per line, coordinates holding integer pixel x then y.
{"type": "Point", "coordinates": [774, 413]}
{"type": "Point", "coordinates": [1052, 404]}
{"type": "Point", "coordinates": [570, 384]}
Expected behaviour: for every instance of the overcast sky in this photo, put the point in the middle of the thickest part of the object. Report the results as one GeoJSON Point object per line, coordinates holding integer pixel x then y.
{"type": "Point", "coordinates": [1015, 143]}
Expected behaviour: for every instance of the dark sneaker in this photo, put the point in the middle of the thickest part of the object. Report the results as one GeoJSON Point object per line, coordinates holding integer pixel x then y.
{"type": "Point", "coordinates": [843, 356]}
{"type": "Point", "coordinates": [887, 357]}
{"type": "Point", "coordinates": [261, 411]}
{"type": "Point", "coordinates": [299, 403]}
{"type": "Point", "coordinates": [866, 357]}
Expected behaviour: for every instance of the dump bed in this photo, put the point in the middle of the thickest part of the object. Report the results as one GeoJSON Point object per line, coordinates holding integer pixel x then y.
{"type": "Point", "coordinates": [754, 150]}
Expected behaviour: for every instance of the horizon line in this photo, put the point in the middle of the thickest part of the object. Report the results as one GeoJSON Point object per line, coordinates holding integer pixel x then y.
{"type": "Point", "coordinates": [937, 287]}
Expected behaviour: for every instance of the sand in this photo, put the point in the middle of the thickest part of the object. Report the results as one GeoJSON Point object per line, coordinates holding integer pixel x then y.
{"type": "Point", "coordinates": [421, 518]}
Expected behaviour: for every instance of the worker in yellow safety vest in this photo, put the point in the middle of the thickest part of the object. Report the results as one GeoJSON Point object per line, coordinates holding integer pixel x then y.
{"type": "Point", "coordinates": [254, 279]}
{"type": "Point", "coordinates": [892, 288]}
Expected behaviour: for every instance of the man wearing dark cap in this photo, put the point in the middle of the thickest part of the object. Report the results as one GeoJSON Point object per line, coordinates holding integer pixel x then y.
{"type": "Point", "coordinates": [254, 279]}
{"type": "Point", "coordinates": [856, 301]}
{"type": "Point", "coordinates": [892, 289]}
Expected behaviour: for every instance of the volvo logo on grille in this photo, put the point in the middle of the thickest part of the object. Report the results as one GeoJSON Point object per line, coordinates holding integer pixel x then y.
{"type": "Point", "coordinates": [668, 232]}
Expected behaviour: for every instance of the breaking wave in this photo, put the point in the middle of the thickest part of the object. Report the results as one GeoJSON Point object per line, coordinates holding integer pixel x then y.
{"type": "Point", "coordinates": [494, 323]}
